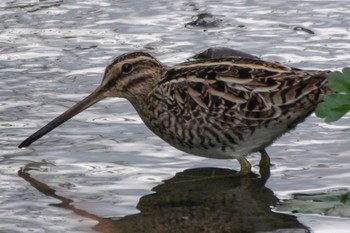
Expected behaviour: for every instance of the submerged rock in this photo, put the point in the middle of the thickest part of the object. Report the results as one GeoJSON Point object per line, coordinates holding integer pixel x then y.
{"type": "Point", "coordinates": [204, 20]}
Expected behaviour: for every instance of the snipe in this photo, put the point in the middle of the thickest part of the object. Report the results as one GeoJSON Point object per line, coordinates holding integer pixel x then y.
{"type": "Point", "coordinates": [218, 108]}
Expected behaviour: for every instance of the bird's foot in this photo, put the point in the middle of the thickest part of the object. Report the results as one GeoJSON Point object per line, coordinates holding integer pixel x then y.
{"type": "Point", "coordinates": [264, 164]}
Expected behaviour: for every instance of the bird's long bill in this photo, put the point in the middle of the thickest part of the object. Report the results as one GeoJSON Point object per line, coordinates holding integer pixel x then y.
{"type": "Point", "coordinates": [90, 100]}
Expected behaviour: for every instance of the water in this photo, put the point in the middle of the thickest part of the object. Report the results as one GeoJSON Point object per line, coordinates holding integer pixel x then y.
{"type": "Point", "coordinates": [103, 170]}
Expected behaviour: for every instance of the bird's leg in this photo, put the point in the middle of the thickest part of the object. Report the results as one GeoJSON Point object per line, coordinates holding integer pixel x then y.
{"type": "Point", "coordinates": [264, 164]}
{"type": "Point", "coordinates": [265, 159]}
{"type": "Point", "coordinates": [245, 166]}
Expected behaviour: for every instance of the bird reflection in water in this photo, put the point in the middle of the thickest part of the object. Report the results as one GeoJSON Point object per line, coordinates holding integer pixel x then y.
{"type": "Point", "coordinates": [195, 200]}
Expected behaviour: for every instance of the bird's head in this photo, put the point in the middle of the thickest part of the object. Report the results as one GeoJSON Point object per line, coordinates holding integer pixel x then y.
{"type": "Point", "coordinates": [132, 76]}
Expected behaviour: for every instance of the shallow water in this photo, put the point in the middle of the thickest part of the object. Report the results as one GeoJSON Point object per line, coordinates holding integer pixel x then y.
{"type": "Point", "coordinates": [106, 167]}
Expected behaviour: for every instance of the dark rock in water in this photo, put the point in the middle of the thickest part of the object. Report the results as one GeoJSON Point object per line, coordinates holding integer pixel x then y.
{"type": "Point", "coordinates": [302, 29]}
{"type": "Point", "coordinates": [205, 20]}
{"type": "Point", "coordinates": [220, 52]}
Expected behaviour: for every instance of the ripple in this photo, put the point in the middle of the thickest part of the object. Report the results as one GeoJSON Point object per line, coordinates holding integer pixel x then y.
{"type": "Point", "coordinates": [53, 53]}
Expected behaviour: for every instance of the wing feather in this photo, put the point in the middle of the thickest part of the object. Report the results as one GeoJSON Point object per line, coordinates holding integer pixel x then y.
{"type": "Point", "coordinates": [242, 88]}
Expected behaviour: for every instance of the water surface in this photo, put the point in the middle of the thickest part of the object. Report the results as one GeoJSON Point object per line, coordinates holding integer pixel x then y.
{"type": "Point", "coordinates": [104, 163]}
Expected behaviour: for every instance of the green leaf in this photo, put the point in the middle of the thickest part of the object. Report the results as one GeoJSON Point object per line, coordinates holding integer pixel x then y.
{"type": "Point", "coordinates": [336, 105]}
{"type": "Point", "coordinates": [328, 114]}
{"type": "Point", "coordinates": [333, 107]}
{"type": "Point", "coordinates": [340, 82]}
{"type": "Point", "coordinates": [337, 100]}
{"type": "Point", "coordinates": [346, 72]}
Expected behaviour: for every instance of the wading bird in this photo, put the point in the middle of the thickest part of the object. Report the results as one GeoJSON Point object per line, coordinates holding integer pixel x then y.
{"type": "Point", "coordinates": [223, 108]}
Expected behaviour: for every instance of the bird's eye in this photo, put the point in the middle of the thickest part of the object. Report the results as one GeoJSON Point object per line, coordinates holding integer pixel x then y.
{"type": "Point", "coordinates": [126, 68]}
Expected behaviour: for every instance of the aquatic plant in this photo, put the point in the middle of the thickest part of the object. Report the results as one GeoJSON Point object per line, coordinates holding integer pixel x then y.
{"type": "Point", "coordinates": [336, 105]}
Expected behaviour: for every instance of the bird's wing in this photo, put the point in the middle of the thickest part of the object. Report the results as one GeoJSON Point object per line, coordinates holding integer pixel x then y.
{"type": "Point", "coordinates": [242, 88]}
